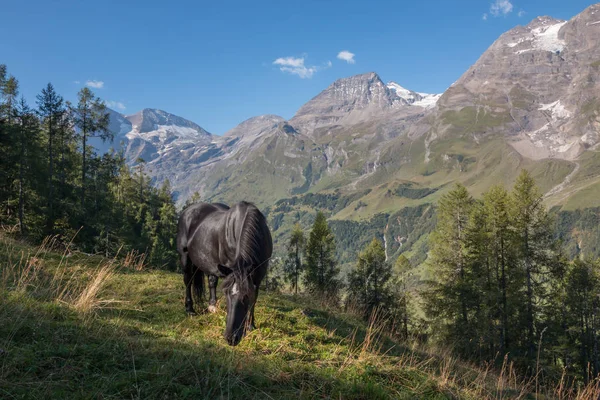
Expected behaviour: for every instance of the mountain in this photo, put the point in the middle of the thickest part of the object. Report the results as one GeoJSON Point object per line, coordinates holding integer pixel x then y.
{"type": "Point", "coordinates": [377, 156]}
{"type": "Point", "coordinates": [539, 83]}
{"type": "Point", "coordinates": [156, 133]}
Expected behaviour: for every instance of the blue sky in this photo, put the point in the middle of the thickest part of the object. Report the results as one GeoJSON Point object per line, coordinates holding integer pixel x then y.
{"type": "Point", "coordinates": [218, 63]}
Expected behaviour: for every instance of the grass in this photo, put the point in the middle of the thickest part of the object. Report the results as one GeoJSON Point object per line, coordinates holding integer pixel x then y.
{"type": "Point", "coordinates": [78, 326]}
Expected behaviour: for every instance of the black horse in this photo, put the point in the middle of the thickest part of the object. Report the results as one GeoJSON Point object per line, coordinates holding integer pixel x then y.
{"type": "Point", "coordinates": [231, 243]}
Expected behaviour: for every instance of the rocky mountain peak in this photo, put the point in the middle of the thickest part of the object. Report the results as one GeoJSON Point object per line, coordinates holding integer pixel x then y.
{"type": "Point", "coordinates": [150, 119]}
{"type": "Point", "coordinates": [348, 94]}
{"type": "Point", "coordinates": [255, 125]}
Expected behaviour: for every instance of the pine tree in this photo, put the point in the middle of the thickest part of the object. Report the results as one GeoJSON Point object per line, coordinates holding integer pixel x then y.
{"type": "Point", "coordinates": [293, 263]}
{"type": "Point", "coordinates": [492, 255]}
{"type": "Point", "coordinates": [583, 314]}
{"type": "Point", "coordinates": [8, 145]}
{"type": "Point", "coordinates": [496, 203]}
{"type": "Point", "coordinates": [51, 111]}
{"type": "Point", "coordinates": [533, 241]}
{"type": "Point", "coordinates": [274, 277]}
{"type": "Point", "coordinates": [452, 295]}
{"type": "Point", "coordinates": [28, 152]}
{"type": "Point", "coordinates": [401, 274]}
{"type": "Point", "coordinates": [321, 278]}
{"type": "Point", "coordinates": [91, 118]}
{"type": "Point", "coordinates": [368, 281]}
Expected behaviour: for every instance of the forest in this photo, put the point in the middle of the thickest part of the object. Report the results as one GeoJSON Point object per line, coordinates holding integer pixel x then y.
{"type": "Point", "coordinates": [53, 183]}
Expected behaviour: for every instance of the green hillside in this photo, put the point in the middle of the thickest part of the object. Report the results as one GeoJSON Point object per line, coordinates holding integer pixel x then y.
{"type": "Point", "coordinates": [79, 326]}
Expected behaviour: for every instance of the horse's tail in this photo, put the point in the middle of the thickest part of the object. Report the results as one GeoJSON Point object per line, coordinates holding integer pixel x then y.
{"type": "Point", "coordinates": [182, 243]}
{"type": "Point", "coordinates": [199, 284]}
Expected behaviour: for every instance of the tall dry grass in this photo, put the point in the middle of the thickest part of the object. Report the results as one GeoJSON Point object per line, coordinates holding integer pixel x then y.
{"type": "Point", "coordinates": [43, 274]}
{"type": "Point", "coordinates": [453, 375]}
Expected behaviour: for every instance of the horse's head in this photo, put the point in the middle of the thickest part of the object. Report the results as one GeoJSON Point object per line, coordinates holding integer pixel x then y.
{"type": "Point", "coordinates": [241, 296]}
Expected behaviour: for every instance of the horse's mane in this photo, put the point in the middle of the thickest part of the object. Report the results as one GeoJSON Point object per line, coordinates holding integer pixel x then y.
{"type": "Point", "coordinates": [249, 249]}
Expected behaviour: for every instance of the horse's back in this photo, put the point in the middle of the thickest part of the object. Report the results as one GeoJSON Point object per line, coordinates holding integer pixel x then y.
{"type": "Point", "coordinates": [190, 220]}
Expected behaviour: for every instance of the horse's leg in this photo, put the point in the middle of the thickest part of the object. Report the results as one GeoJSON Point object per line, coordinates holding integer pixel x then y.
{"type": "Point", "coordinates": [188, 278]}
{"type": "Point", "coordinates": [252, 325]}
{"type": "Point", "coordinates": [199, 284]}
{"type": "Point", "coordinates": [212, 285]}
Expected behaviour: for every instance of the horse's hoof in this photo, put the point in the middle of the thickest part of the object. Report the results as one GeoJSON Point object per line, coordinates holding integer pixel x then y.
{"type": "Point", "coordinates": [191, 313]}
{"type": "Point", "coordinates": [212, 308]}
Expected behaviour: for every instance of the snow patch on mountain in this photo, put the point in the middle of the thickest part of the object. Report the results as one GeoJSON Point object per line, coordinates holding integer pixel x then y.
{"type": "Point", "coordinates": [425, 100]}
{"type": "Point", "coordinates": [547, 38]}
{"type": "Point", "coordinates": [165, 132]}
{"type": "Point", "coordinates": [542, 38]}
{"type": "Point", "coordinates": [556, 109]}
{"type": "Point", "coordinates": [402, 92]}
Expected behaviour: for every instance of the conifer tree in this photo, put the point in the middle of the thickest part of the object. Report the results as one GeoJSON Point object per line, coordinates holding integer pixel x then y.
{"type": "Point", "coordinates": [533, 241]}
{"type": "Point", "coordinates": [321, 276]}
{"type": "Point", "coordinates": [496, 205]}
{"type": "Point", "coordinates": [583, 314]}
{"type": "Point", "coordinates": [293, 263]}
{"type": "Point", "coordinates": [28, 152]}
{"type": "Point", "coordinates": [8, 172]}
{"type": "Point", "coordinates": [400, 276]}
{"type": "Point", "coordinates": [368, 281]}
{"type": "Point", "coordinates": [452, 295]}
{"type": "Point", "coordinates": [91, 118]}
{"type": "Point", "coordinates": [51, 111]}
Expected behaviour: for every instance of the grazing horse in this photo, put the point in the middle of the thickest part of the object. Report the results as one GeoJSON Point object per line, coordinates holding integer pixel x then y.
{"type": "Point", "coordinates": [231, 243]}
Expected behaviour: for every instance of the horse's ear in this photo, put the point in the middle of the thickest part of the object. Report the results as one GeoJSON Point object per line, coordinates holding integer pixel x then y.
{"type": "Point", "coordinates": [224, 270]}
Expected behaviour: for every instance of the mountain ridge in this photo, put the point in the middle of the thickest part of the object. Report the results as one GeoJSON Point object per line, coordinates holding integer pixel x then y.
{"type": "Point", "coordinates": [387, 148]}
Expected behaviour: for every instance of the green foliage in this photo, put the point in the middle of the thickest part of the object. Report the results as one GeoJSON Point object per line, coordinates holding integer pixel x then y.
{"type": "Point", "coordinates": [579, 231]}
{"type": "Point", "coordinates": [452, 298]}
{"type": "Point", "coordinates": [91, 120]}
{"type": "Point", "coordinates": [502, 289]}
{"type": "Point", "coordinates": [409, 191]}
{"type": "Point", "coordinates": [46, 167]}
{"type": "Point", "coordinates": [293, 265]}
{"type": "Point", "coordinates": [321, 278]}
{"type": "Point", "coordinates": [332, 202]}
{"type": "Point", "coordinates": [475, 119]}
{"type": "Point", "coordinates": [368, 282]}
{"type": "Point", "coordinates": [582, 315]}
{"type": "Point", "coordinates": [275, 277]}
{"type": "Point", "coordinates": [352, 235]}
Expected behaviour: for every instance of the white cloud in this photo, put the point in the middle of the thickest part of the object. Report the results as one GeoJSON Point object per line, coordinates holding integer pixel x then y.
{"type": "Point", "coordinates": [116, 104]}
{"type": "Point", "coordinates": [484, 17]}
{"type": "Point", "coordinates": [521, 13]}
{"type": "Point", "coordinates": [346, 56]}
{"type": "Point", "coordinates": [501, 7]}
{"type": "Point", "coordinates": [76, 82]}
{"type": "Point", "coordinates": [328, 64]}
{"type": "Point", "coordinates": [94, 84]}
{"type": "Point", "coordinates": [295, 66]}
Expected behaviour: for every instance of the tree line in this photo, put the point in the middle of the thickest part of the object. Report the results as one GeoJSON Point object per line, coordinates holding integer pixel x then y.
{"type": "Point", "coordinates": [373, 286]}
{"type": "Point", "coordinates": [53, 182]}
{"type": "Point", "coordinates": [503, 287]}
{"type": "Point", "coordinates": [499, 287]}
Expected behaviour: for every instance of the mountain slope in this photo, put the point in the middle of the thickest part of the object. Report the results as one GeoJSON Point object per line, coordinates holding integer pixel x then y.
{"type": "Point", "coordinates": [530, 101]}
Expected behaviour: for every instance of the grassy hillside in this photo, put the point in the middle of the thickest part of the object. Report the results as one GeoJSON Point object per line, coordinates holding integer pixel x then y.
{"type": "Point", "coordinates": [81, 326]}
